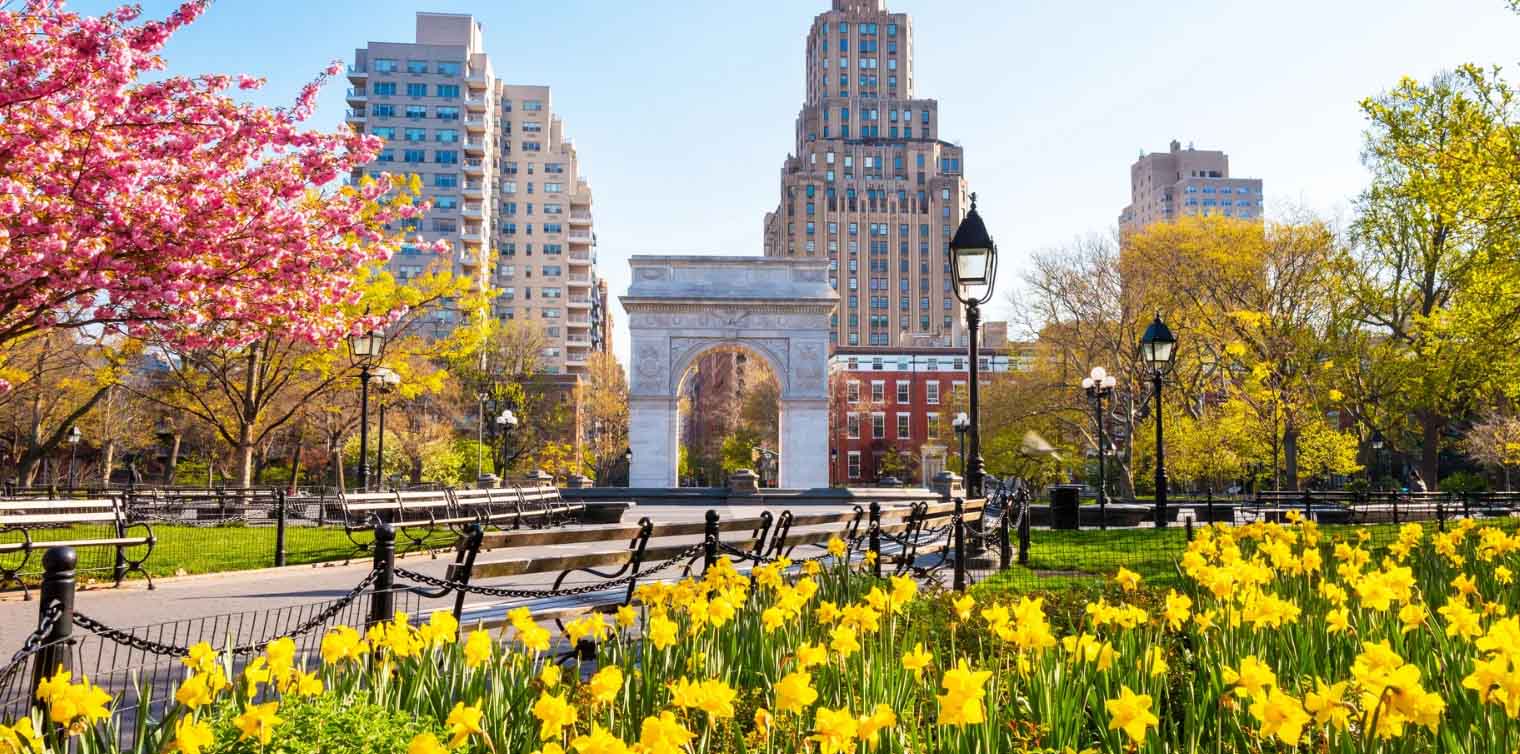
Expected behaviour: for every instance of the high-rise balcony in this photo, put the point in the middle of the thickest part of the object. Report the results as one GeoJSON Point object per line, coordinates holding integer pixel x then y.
{"type": "Point", "coordinates": [355, 116]}
{"type": "Point", "coordinates": [474, 166]}
{"type": "Point", "coordinates": [477, 103]}
{"type": "Point", "coordinates": [580, 236]}
{"type": "Point", "coordinates": [475, 146]}
{"type": "Point", "coordinates": [475, 77]}
{"type": "Point", "coordinates": [579, 302]}
{"type": "Point", "coordinates": [358, 73]}
{"type": "Point", "coordinates": [474, 189]}
{"type": "Point", "coordinates": [472, 235]}
{"type": "Point", "coordinates": [580, 218]}
{"type": "Point", "coordinates": [475, 123]}
{"type": "Point", "coordinates": [473, 211]}
{"type": "Point", "coordinates": [357, 95]}
{"type": "Point", "coordinates": [580, 258]}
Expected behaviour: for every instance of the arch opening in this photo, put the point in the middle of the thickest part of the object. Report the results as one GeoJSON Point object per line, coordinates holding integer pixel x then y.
{"type": "Point", "coordinates": [728, 416]}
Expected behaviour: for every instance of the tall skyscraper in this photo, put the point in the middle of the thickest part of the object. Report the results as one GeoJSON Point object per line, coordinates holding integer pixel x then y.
{"type": "Point", "coordinates": [871, 185]}
{"type": "Point", "coordinates": [1178, 182]}
{"type": "Point", "coordinates": [506, 186]}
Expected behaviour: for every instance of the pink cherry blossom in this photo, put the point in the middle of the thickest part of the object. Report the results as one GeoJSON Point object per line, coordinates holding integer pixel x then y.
{"type": "Point", "coordinates": [164, 207]}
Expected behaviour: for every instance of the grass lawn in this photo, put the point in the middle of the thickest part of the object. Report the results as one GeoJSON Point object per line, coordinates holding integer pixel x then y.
{"type": "Point", "coordinates": [1066, 559]}
{"type": "Point", "coordinates": [183, 550]}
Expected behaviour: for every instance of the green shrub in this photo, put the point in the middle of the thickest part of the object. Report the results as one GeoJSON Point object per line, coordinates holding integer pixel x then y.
{"type": "Point", "coordinates": [1464, 481]}
{"type": "Point", "coordinates": [328, 723]}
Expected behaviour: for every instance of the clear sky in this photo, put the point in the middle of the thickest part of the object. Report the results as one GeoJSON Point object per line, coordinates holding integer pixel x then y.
{"type": "Point", "coordinates": [682, 110]}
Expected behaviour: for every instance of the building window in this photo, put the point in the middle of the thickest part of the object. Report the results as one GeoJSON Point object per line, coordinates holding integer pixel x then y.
{"type": "Point", "coordinates": [533, 106]}
{"type": "Point", "coordinates": [932, 428]}
{"type": "Point", "coordinates": [450, 91]}
{"type": "Point", "coordinates": [852, 426]}
{"type": "Point", "coordinates": [931, 391]}
{"type": "Point", "coordinates": [902, 426]}
{"type": "Point", "coordinates": [853, 462]}
{"type": "Point", "coordinates": [449, 68]}
{"type": "Point", "coordinates": [903, 395]}
{"type": "Point", "coordinates": [448, 113]}
{"type": "Point", "coordinates": [878, 426]}
{"type": "Point", "coordinates": [852, 391]}
{"type": "Point", "coordinates": [416, 90]}
{"type": "Point", "coordinates": [878, 391]}
{"type": "Point", "coordinates": [384, 65]}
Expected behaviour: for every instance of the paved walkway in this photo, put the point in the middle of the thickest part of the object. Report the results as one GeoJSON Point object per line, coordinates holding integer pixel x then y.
{"type": "Point", "coordinates": [201, 597]}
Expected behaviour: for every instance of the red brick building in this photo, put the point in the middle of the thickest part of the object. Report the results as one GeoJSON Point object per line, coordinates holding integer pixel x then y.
{"type": "Point", "coordinates": [900, 402]}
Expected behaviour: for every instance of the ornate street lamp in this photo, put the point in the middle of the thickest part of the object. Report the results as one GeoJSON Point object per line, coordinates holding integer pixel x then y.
{"type": "Point", "coordinates": [366, 348]}
{"type": "Point", "coordinates": [73, 439]}
{"type": "Point", "coordinates": [973, 264]}
{"type": "Point", "coordinates": [1377, 457]}
{"type": "Point", "coordinates": [961, 423]}
{"type": "Point", "coordinates": [386, 380]}
{"type": "Point", "coordinates": [1099, 385]}
{"type": "Point", "coordinates": [506, 424]}
{"type": "Point", "coordinates": [628, 457]}
{"type": "Point", "coordinates": [1158, 348]}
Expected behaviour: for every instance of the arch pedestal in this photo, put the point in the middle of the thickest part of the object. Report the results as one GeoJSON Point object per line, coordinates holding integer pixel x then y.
{"type": "Point", "coordinates": [682, 306]}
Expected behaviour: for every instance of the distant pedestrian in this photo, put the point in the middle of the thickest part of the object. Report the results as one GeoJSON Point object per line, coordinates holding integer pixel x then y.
{"type": "Point", "coordinates": [1416, 484]}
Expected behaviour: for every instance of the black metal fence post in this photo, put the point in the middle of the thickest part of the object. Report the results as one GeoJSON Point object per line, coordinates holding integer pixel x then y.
{"type": "Point", "coordinates": [1308, 505]}
{"type": "Point", "coordinates": [1187, 526]}
{"type": "Point", "coordinates": [1005, 545]}
{"type": "Point", "coordinates": [279, 528]}
{"type": "Point", "coordinates": [1024, 532]}
{"type": "Point", "coordinates": [710, 541]}
{"type": "Point", "coordinates": [873, 536]}
{"type": "Point", "coordinates": [1208, 502]}
{"type": "Point", "coordinates": [58, 565]}
{"type": "Point", "coordinates": [1396, 508]}
{"type": "Point", "coordinates": [959, 523]}
{"type": "Point", "coordinates": [382, 599]}
{"type": "Point", "coordinates": [1440, 515]}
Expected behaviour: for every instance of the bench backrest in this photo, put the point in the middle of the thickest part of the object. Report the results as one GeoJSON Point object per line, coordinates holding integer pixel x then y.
{"type": "Point", "coordinates": [540, 495]}
{"type": "Point", "coordinates": [364, 503]}
{"type": "Point", "coordinates": [475, 498]}
{"type": "Point", "coordinates": [425, 500]}
{"type": "Point", "coordinates": [21, 514]}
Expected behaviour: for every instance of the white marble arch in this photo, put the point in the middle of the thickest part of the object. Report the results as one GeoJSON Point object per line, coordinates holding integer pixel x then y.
{"type": "Point", "coordinates": [778, 308]}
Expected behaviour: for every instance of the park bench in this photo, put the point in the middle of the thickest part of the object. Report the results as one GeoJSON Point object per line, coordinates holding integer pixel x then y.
{"type": "Point", "coordinates": [671, 550]}
{"type": "Point", "coordinates": [513, 507]}
{"type": "Point", "coordinates": [27, 516]}
{"type": "Point", "coordinates": [416, 515]}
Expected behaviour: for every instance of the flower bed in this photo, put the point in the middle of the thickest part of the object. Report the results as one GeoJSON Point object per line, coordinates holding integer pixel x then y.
{"type": "Point", "coordinates": [1279, 637]}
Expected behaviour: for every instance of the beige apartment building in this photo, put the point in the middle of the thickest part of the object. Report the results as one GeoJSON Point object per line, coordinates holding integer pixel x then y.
{"type": "Point", "coordinates": [871, 186]}
{"type": "Point", "coordinates": [506, 185]}
{"type": "Point", "coordinates": [1179, 182]}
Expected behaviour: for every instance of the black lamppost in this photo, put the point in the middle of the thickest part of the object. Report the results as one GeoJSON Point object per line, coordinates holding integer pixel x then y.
{"type": "Point", "coordinates": [366, 347]}
{"type": "Point", "coordinates": [1377, 457]}
{"type": "Point", "coordinates": [973, 264]}
{"type": "Point", "coordinates": [1099, 385]}
{"type": "Point", "coordinates": [386, 380]}
{"type": "Point", "coordinates": [961, 423]}
{"type": "Point", "coordinates": [1157, 348]}
{"type": "Point", "coordinates": [628, 457]}
{"type": "Point", "coordinates": [834, 475]}
{"type": "Point", "coordinates": [73, 439]}
{"type": "Point", "coordinates": [164, 431]}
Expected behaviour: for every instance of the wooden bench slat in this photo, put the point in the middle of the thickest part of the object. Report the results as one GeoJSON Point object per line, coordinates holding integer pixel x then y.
{"type": "Point", "coordinates": [32, 519]}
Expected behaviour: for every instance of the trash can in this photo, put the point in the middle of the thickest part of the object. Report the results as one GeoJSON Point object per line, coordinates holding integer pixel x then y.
{"type": "Point", "coordinates": [1063, 506]}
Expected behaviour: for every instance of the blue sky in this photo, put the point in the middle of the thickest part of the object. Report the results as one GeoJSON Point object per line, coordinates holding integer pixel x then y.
{"type": "Point", "coordinates": [683, 111]}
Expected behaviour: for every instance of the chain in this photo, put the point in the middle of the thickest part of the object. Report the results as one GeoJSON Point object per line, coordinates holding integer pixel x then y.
{"type": "Point", "coordinates": [33, 642]}
{"type": "Point", "coordinates": [746, 555]}
{"type": "Point", "coordinates": [533, 594]}
{"type": "Point", "coordinates": [134, 641]}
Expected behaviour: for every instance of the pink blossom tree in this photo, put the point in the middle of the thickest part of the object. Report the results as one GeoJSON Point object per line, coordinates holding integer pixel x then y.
{"type": "Point", "coordinates": [167, 208]}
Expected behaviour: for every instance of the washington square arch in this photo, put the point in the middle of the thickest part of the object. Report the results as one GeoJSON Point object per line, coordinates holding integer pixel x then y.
{"type": "Point", "coordinates": [680, 307]}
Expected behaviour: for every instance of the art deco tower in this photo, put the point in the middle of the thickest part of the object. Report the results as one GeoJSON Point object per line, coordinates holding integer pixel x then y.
{"type": "Point", "coordinates": [871, 186]}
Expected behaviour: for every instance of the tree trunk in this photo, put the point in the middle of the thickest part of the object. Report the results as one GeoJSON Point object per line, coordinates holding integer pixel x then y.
{"type": "Point", "coordinates": [1430, 450]}
{"type": "Point", "coordinates": [248, 416]}
{"type": "Point", "coordinates": [107, 461]}
{"type": "Point", "coordinates": [173, 458]}
{"type": "Point", "coordinates": [295, 456]}
{"type": "Point", "coordinates": [1290, 455]}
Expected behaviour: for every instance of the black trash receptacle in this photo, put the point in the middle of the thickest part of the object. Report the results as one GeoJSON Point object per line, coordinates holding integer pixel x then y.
{"type": "Point", "coordinates": [1063, 506]}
